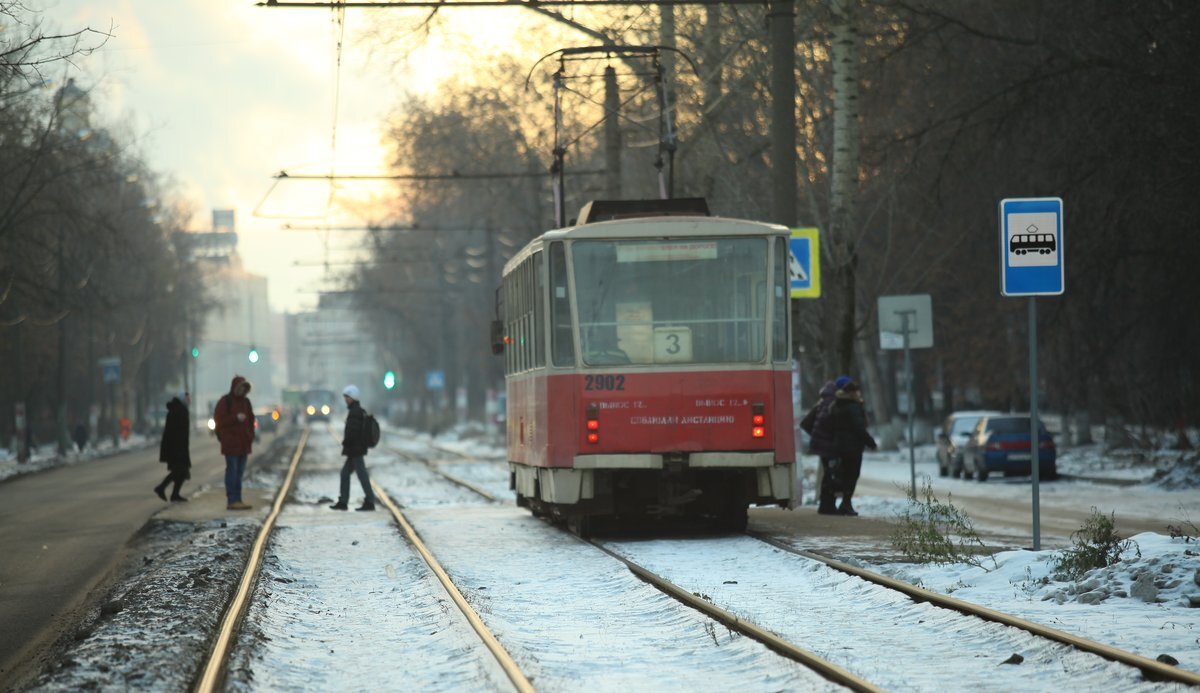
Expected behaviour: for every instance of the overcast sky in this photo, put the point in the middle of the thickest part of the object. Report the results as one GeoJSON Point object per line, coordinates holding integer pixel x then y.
{"type": "Point", "coordinates": [219, 95]}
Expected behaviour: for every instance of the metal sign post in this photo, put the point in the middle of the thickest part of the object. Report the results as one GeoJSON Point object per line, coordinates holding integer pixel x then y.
{"type": "Point", "coordinates": [906, 322]}
{"type": "Point", "coordinates": [1031, 264]}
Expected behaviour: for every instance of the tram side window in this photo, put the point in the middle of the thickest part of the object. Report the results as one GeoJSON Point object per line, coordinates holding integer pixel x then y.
{"type": "Point", "coordinates": [524, 316]}
{"type": "Point", "coordinates": [780, 284]}
{"type": "Point", "coordinates": [539, 313]}
{"type": "Point", "coordinates": [562, 336]}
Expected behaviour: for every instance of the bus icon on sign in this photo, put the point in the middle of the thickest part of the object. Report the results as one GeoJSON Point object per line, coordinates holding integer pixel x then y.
{"type": "Point", "coordinates": [1032, 242]}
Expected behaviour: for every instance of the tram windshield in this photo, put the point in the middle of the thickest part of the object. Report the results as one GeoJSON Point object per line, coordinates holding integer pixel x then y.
{"type": "Point", "coordinates": [671, 300]}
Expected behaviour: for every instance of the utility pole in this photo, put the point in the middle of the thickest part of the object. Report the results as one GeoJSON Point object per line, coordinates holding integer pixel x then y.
{"type": "Point", "coordinates": [612, 135]}
{"type": "Point", "coordinates": [781, 18]}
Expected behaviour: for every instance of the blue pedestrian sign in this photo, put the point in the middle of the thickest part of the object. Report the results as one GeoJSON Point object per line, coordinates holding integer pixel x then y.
{"type": "Point", "coordinates": [1031, 249]}
{"type": "Point", "coordinates": [435, 380]}
{"type": "Point", "coordinates": [804, 263]}
{"type": "Point", "coordinates": [110, 370]}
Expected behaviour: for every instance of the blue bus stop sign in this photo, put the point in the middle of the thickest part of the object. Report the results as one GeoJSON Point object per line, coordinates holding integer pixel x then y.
{"type": "Point", "coordinates": [435, 380]}
{"type": "Point", "coordinates": [1031, 249]}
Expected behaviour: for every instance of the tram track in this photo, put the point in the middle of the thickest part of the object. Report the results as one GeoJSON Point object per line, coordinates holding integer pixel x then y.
{"type": "Point", "coordinates": [685, 592]}
{"type": "Point", "coordinates": [1151, 669]}
{"type": "Point", "coordinates": [216, 664]}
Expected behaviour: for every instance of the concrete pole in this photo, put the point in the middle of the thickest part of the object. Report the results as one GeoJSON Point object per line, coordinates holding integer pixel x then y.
{"type": "Point", "coordinates": [612, 135]}
{"type": "Point", "coordinates": [781, 18]}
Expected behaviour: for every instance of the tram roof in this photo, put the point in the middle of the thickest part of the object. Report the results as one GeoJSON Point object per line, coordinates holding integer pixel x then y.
{"type": "Point", "coordinates": [650, 227]}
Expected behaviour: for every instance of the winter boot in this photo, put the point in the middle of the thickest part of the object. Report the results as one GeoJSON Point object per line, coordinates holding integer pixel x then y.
{"type": "Point", "coordinates": [366, 507]}
{"type": "Point", "coordinates": [160, 491]}
{"type": "Point", "coordinates": [340, 505]}
{"type": "Point", "coordinates": [847, 509]}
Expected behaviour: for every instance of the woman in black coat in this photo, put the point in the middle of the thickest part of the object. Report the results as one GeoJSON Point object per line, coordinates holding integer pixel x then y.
{"type": "Point", "coordinates": [174, 447]}
{"type": "Point", "coordinates": [850, 437]}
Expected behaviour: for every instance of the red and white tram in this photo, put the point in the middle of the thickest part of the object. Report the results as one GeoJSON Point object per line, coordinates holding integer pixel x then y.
{"type": "Point", "coordinates": [647, 366]}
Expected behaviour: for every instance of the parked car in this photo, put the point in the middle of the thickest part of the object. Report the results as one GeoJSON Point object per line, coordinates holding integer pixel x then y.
{"type": "Point", "coordinates": [956, 429]}
{"type": "Point", "coordinates": [267, 419]}
{"type": "Point", "coordinates": [1000, 443]}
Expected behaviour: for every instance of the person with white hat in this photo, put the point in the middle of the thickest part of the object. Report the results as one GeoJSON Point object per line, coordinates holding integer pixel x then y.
{"type": "Point", "coordinates": [354, 447]}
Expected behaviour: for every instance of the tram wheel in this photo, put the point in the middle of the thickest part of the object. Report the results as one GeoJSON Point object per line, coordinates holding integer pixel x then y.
{"type": "Point", "coordinates": [580, 524]}
{"type": "Point", "coordinates": [735, 516]}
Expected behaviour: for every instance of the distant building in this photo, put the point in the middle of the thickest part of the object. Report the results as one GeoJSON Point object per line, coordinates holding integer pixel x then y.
{"type": "Point", "coordinates": [239, 337]}
{"type": "Point", "coordinates": [331, 347]}
{"type": "Point", "coordinates": [74, 109]}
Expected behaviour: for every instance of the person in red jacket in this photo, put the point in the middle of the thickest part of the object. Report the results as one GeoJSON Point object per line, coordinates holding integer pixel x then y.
{"type": "Point", "coordinates": [234, 417]}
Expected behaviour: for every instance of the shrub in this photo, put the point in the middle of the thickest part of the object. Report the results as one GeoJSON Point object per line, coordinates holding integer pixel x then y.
{"type": "Point", "coordinates": [935, 532]}
{"type": "Point", "coordinates": [1095, 545]}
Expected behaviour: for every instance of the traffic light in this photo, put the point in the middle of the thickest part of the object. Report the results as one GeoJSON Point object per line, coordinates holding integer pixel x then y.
{"type": "Point", "coordinates": [253, 355]}
{"type": "Point", "coordinates": [195, 352]}
{"type": "Point", "coordinates": [389, 380]}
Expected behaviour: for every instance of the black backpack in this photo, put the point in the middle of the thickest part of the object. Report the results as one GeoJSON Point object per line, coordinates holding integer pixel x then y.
{"type": "Point", "coordinates": [370, 430]}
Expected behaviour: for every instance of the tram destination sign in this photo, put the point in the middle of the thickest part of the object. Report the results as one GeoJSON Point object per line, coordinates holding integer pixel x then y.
{"type": "Point", "coordinates": [1031, 249]}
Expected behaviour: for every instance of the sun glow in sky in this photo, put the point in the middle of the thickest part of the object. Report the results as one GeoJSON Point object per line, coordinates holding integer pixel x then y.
{"type": "Point", "coordinates": [221, 95]}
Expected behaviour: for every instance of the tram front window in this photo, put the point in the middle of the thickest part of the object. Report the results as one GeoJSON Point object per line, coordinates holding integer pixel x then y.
{"type": "Point", "coordinates": [671, 301]}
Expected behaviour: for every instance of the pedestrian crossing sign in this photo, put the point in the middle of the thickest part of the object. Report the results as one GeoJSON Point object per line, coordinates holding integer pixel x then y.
{"type": "Point", "coordinates": [804, 263]}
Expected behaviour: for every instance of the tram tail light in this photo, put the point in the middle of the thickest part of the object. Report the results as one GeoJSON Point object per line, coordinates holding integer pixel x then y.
{"type": "Point", "coordinates": [759, 419]}
{"type": "Point", "coordinates": [593, 424]}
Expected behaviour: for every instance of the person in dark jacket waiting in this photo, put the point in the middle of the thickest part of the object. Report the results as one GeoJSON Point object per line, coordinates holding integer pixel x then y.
{"type": "Point", "coordinates": [819, 427]}
{"type": "Point", "coordinates": [850, 438]}
{"type": "Point", "coordinates": [354, 447]}
{"type": "Point", "coordinates": [174, 448]}
{"type": "Point", "coordinates": [234, 416]}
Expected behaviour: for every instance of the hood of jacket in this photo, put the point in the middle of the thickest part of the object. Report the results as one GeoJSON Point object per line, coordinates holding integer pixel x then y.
{"type": "Point", "coordinates": [176, 405]}
{"type": "Point", "coordinates": [233, 386]}
{"type": "Point", "coordinates": [828, 390]}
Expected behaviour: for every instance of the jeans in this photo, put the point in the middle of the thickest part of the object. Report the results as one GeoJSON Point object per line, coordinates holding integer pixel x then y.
{"type": "Point", "coordinates": [235, 467]}
{"type": "Point", "coordinates": [359, 467]}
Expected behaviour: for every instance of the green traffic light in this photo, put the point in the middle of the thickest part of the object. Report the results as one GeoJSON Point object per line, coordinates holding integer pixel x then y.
{"type": "Point", "coordinates": [389, 380]}
{"type": "Point", "coordinates": [195, 352]}
{"type": "Point", "coordinates": [253, 355]}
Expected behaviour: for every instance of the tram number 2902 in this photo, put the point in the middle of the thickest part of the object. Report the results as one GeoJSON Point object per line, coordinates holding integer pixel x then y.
{"type": "Point", "coordinates": [604, 382]}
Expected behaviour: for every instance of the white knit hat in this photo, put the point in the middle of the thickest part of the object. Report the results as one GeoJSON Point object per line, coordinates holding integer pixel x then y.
{"type": "Point", "coordinates": [351, 391]}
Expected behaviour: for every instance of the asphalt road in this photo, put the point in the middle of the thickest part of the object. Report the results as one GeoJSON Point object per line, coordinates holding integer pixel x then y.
{"type": "Point", "coordinates": [62, 532]}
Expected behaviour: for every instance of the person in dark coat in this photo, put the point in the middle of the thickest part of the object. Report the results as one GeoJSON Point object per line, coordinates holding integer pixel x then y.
{"type": "Point", "coordinates": [817, 424]}
{"type": "Point", "coordinates": [80, 436]}
{"type": "Point", "coordinates": [850, 436]}
{"type": "Point", "coordinates": [234, 416]}
{"type": "Point", "coordinates": [174, 448]}
{"type": "Point", "coordinates": [354, 447]}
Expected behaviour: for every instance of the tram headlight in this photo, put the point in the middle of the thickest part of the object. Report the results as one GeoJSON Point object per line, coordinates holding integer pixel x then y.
{"type": "Point", "coordinates": [325, 409]}
{"type": "Point", "coordinates": [311, 410]}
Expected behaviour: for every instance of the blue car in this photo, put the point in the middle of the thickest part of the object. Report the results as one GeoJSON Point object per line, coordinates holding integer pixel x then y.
{"type": "Point", "coordinates": [1000, 444]}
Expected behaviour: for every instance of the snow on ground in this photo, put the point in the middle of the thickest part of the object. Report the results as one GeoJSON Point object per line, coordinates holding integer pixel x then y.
{"type": "Point", "coordinates": [46, 456]}
{"type": "Point", "coordinates": [165, 604]}
{"type": "Point", "coordinates": [853, 623]}
{"type": "Point", "coordinates": [1160, 616]}
{"type": "Point", "coordinates": [372, 617]}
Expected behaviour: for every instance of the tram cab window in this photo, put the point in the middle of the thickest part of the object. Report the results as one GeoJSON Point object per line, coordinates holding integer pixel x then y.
{"type": "Point", "coordinates": [671, 300]}
{"type": "Point", "coordinates": [562, 333]}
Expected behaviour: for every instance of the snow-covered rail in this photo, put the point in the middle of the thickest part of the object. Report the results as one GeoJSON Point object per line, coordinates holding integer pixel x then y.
{"type": "Point", "coordinates": [1045, 657]}
{"type": "Point", "coordinates": [1152, 669]}
{"type": "Point", "coordinates": [232, 643]}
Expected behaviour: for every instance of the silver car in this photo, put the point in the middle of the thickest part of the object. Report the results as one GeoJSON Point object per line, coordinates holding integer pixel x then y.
{"type": "Point", "coordinates": [955, 432]}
